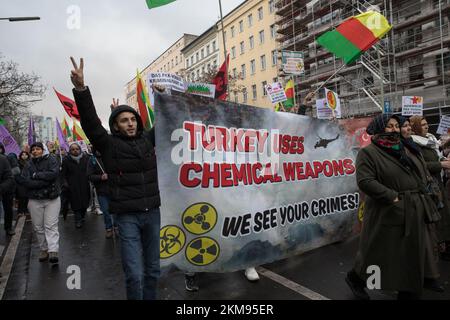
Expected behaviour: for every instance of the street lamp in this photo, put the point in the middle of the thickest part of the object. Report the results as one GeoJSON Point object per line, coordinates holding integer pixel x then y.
{"type": "Point", "coordinates": [15, 19]}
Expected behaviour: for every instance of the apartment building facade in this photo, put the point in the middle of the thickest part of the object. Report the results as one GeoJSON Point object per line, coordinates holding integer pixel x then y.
{"type": "Point", "coordinates": [250, 39]}
{"type": "Point", "coordinates": [202, 55]}
{"type": "Point", "coordinates": [413, 59]}
{"type": "Point", "coordinates": [170, 61]}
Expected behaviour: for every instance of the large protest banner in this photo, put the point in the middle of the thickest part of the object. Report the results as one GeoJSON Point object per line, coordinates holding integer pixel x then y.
{"type": "Point", "coordinates": [243, 186]}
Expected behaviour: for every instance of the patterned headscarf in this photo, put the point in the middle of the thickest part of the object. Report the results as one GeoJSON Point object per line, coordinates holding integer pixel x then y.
{"type": "Point", "coordinates": [379, 123]}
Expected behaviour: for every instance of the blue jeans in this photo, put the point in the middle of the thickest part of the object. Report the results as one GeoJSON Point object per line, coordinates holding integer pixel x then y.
{"type": "Point", "coordinates": [103, 201]}
{"type": "Point", "coordinates": [139, 235]}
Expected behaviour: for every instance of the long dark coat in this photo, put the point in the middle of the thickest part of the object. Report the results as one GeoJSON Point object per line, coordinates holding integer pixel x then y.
{"type": "Point", "coordinates": [434, 166]}
{"type": "Point", "coordinates": [393, 234]}
{"type": "Point", "coordinates": [75, 176]}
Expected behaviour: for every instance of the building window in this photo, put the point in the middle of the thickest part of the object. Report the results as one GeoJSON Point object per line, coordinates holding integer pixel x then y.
{"type": "Point", "coordinates": [203, 53]}
{"type": "Point", "coordinates": [250, 20]}
{"type": "Point", "coordinates": [225, 35]}
{"type": "Point", "coordinates": [261, 37]}
{"type": "Point", "coordinates": [243, 71]}
{"type": "Point", "coordinates": [242, 47]}
{"type": "Point", "coordinates": [233, 52]}
{"type": "Point", "coordinates": [234, 73]}
{"type": "Point", "coordinates": [187, 63]}
{"type": "Point", "coordinates": [252, 42]}
{"type": "Point", "coordinates": [252, 67]}
{"type": "Point", "coordinates": [244, 96]}
{"type": "Point", "coordinates": [192, 60]}
{"type": "Point", "coordinates": [209, 67]}
{"type": "Point", "coordinates": [232, 32]}
{"type": "Point", "coordinates": [274, 57]}
{"type": "Point", "coordinates": [214, 46]}
{"type": "Point", "coordinates": [198, 74]}
{"type": "Point", "coordinates": [264, 84]}
{"type": "Point", "coordinates": [241, 26]}
{"type": "Point", "coordinates": [215, 63]}
{"type": "Point", "coordinates": [176, 60]}
{"type": "Point", "coordinates": [207, 50]}
{"type": "Point", "coordinates": [263, 62]}
{"type": "Point", "coordinates": [255, 95]}
{"type": "Point", "coordinates": [203, 70]}
{"type": "Point", "coordinates": [172, 63]}
{"type": "Point", "coordinates": [197, 57]}
{"type": "Point", "coordinates": [236, 97]}
{"type": "Point", "coordinates": [260, 13]}
{"type": "Point", "coordinates": [271, 6]}
{"type": "Point", "coordinates": [273, 31]}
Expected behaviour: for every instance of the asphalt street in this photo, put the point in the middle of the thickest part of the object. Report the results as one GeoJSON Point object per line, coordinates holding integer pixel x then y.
{"type": "Point", "coordinates": [317, 274]}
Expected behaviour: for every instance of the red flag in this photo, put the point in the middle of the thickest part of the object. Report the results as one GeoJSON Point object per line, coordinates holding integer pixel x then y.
{"type": "Point", "coordinates": [69, 105]}
{"type": "Point", "coordinates": [221, 81]}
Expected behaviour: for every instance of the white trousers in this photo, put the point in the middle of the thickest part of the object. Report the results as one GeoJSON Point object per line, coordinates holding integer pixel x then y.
{"type": "Point", "coordinates": [44, 215]}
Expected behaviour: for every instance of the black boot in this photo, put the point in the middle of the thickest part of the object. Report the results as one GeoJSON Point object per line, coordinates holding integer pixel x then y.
{"type": "Point", "coordinates": [357, 285]}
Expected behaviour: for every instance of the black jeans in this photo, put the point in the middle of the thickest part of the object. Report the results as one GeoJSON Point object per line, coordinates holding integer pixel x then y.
{"type": "Point", "coordinates": [8, 203]}
{"type": "Point", "coordinates": [23, 205]}
{"type": "Point", "coordinates": [79, 216]}
{"type": "Point", "coordinates": [64, 203]}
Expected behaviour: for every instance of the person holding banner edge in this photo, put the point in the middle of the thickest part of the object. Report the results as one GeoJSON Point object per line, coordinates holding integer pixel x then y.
{"type": "Point", "coordinates": [436, 162]}
{"type": "Point", "coordinates": [393, 176]}
{"type": "Point", "coordinates": [129, 159]}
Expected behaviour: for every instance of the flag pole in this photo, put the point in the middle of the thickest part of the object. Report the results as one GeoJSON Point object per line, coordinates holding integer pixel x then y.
{"type": "Point", "coordinates": [328, 80]}
{"type": "Point", "coordinates": [224, 47]}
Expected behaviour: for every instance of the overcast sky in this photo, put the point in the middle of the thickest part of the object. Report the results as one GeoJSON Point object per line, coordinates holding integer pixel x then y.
{"type": "Point", "coordinates": [115, 37]}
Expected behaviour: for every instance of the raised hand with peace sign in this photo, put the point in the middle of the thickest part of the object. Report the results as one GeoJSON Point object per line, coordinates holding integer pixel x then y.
{"type": "Point", "coordinates": [77, 75]}
{"type": "Point", "coordinates": [115, 104]}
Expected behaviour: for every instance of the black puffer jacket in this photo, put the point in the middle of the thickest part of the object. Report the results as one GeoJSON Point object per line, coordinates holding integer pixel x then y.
{"type": "Point", "coordinates": [6, 177]}
{"type": "Point", "coordinates": [40, 177]}
{"type": "Point", "coordinates": [129, 162]}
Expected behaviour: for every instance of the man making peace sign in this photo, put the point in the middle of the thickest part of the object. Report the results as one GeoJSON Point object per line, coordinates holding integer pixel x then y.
{"type": "Point", "coordinates": [130, 162]}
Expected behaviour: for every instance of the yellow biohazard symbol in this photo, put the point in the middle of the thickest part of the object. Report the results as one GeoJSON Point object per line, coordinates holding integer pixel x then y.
{"type": "Point", "coordinates": [202, 251]}
{"type": "Point", "coordinates": [172, 240]}
{"type": "Point", "coordinates": [331, 99]}
{"type": "Point", "coordinates": [199, 218]}
{"type": "Point", "coordinates": [361, 211]}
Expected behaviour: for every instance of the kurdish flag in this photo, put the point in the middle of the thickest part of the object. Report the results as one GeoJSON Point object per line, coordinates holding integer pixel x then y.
{"type": "Point", "coordinates": [145, 108]}
{"type": "Point", "coordinates": [78, 133]}
{"type": "Point", "coordinates": [289, 90]}
{"type": "Point", "coordinates": [157, 3]}
{"type": "Point", "coordinates": [355, 35]}
{"type": "Point", "coordinates": [66, 128]}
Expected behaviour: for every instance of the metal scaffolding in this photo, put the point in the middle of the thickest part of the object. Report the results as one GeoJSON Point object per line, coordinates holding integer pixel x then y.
{"type": "Point", "coordinates": [413, 59]}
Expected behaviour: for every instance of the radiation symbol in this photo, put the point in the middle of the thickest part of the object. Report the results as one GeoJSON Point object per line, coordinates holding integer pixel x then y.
{"type": "Point", "coordinates": [172, 240]}
{"type": "Point", "coordinates": [331, 99]}
{"type": "Point", "coordinates": [202, 251]}
{"type": "Point", "coordinates": [199, 218]}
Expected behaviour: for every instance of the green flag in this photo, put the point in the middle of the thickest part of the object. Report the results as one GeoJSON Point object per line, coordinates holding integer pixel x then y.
{"type": "Point", "coordinates": [157, 3]}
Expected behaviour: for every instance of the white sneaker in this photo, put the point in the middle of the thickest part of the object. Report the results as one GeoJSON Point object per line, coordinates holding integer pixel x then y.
{"type": "Point", "coordinates": [251, 274]}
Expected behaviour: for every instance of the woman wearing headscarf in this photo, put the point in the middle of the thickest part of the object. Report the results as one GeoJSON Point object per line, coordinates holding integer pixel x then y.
{"type": "Point", "coordinates": [21, 191]}
{"type": "Point", "coordinates": [394, 177]}
{"type": "Point", "coordinates": [40, 177]}
{"type": "Point", "coordinates": [432, 242]}
{"type": "Point", "coordinates": [436, 163]}
{"type": "Point", "coordinates": [74, 173]}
